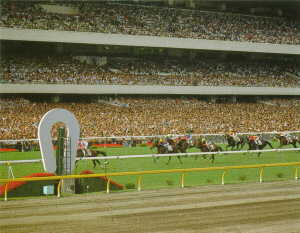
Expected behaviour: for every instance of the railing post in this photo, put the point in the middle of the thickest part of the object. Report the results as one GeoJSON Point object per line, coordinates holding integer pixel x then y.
{"type": "Point", "coordinates": [139, 183]}
{"type": "Point", "coordinates": [182, 180]}
{"type": "Point", "coordinates": [59, 188]}
{"type": "Point", "coordinates": [223, 176]}
{"type": "Point", "coordinates": [5, 192]}
{"type": "Point", "coordinates": [296, 173]}
{"type": "Point", "coordinates": [261, 171]}
{"type": "Point", "coordinates": [107, 185]}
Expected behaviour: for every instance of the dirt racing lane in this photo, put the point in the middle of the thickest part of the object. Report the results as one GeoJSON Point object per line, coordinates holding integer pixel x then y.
{"type": "Point", "coordinates": [244, 208]}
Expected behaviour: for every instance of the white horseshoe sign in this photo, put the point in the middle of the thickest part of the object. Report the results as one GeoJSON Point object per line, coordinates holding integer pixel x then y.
{"type": "Point", "coordinates": [45, 140]}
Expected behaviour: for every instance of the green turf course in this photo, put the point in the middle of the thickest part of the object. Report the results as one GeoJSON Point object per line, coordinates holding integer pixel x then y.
{"type": "Point", "coordinates": [170, 180]}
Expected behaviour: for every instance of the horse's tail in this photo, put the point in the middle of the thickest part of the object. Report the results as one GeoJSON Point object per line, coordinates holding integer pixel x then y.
{"type": "Point", "coordinates": [269, 143]}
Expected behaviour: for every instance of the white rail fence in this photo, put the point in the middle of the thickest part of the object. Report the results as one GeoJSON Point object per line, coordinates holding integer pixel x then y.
{"type": "Point", "coordinates": [157, 136]}
{"type": "Point", "coordinates": [6, 162]}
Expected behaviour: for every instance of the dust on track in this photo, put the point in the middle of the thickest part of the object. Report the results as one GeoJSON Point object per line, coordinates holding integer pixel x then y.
{"type": "Point", "coordinates": [243, 208]}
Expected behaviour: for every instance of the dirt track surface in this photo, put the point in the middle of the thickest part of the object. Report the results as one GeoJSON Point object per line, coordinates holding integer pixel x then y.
{"type": "Point", "coordinates": [246, 208]}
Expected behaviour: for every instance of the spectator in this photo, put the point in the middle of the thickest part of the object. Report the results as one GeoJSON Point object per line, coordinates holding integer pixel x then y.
{"type": "Point", "coordinates": [153, 21]}
{"type": "Point", "coordinates": [153, 116]}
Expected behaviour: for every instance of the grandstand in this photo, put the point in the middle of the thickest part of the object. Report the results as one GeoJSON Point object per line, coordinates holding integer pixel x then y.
{"type": "Point", "coordinates": [150, 67]}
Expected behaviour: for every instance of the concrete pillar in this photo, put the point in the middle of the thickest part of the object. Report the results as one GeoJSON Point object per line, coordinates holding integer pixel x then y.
{"type": "Point", "coordinates": [252, 10]}
{"type": "Point", "coordinates": [223, 56]}
{"type": "Point", "coordinates": [223, 7]}
{"type": "Point", "coordinates": [55, 99]}
{"type": "Point", "coordinates": [191, 4]}
{"type": "Point", "coordinates": [59, 49]}
{"type": "Point", "coordinates": [99, 48]}
{"type": "Point", "coordinates": [171, 2]}
{"type": "Point", "coordinates": [233, 99]}
{"type": "Point", "coordinates": [192, 56]}
{"type": "Point", "coordinates": [212, 99]}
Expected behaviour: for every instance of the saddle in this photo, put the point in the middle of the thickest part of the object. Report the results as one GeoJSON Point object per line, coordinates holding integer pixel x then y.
{"type": "Point", "coordinates": [168, 146]}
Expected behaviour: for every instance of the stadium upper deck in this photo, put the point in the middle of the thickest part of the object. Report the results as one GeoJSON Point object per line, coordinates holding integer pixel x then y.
{"type": "Point", "coordinates": [159, 71]}
{"type": "Point", "coordinates": [152, 21]}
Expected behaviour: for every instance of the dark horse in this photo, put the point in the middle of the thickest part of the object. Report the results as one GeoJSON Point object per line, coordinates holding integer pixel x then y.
{"type": "Point", "coordinates": [284, 141]}
{"type": "Point", "coordinates": [237, 142]}
{"type": "Point", "coordinates": [162, 149]}
{"type": "Point", "coordinates": [183, 145]}
{"type": "Point", "coordinates": [94, 153]}
{"type": "Point", "coordinates": [207, 147]}
{"type": "Point", "coordinates": [255, 145]}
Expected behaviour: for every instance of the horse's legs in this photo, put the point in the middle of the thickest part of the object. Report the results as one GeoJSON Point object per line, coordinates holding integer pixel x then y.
{"type": "Point", "coordinates": [179, 159]}
{"type": "Point", "coordinates": [168, 160]}
{"type": "Point", "coordinates": [226, 148]}
{"type": "Point", "coordinates": [97, 161]}
{"type": "Point", "coordinates": [212, 158]}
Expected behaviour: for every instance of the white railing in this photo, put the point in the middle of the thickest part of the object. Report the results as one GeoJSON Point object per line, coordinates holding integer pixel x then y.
{"type": "Point", "coordinates": [156, 155]}
{"type": "Point", "coordinates": [155, 136]}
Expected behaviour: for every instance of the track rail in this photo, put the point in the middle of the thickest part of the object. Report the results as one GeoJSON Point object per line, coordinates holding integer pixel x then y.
{"type": "Point", "coordinates": [6, 162]}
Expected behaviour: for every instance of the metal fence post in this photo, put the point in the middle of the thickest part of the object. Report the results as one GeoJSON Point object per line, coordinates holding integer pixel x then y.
{"type": "Point", "coordinates": [296, 173]}
{"type": "Point", "coordinates": [139, 183]}
{"type": "Point", "coordinates": [5, 192]}
{"type": "Point", "coordinates": [59, 188]}
{"type": "Point", "coordinates": [182, 180]}
{"type": "Point", "coordinates": [107, 185]}
{"type": "Point", "coordinates": [261, 171]}
{"type": "Point", "coordinates": [223, 176]}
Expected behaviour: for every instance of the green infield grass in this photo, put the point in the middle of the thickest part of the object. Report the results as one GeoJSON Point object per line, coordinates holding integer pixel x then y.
{"type": "Point", "coordinates": [172, 179]}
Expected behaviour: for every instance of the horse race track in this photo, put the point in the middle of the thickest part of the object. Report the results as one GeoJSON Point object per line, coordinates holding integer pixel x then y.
{"type": "Point", "coordinates": [242, 208]}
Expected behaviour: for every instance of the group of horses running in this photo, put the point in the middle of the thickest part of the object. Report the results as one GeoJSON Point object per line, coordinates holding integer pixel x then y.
{"type": "Point", "coordinates": [181, 145]}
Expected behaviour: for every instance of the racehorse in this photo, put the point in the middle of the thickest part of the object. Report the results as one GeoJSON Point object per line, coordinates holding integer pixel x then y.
{"type": "Point", "coordinates": [255, 145]}
{"type": "Point", "coordinates": [183, 145]}
{"type": "Point", "coordinates": [162, 149]}
{"type": "Point", "coordinates": [207, 147]}
{"type": "Point", "coordinates": [235, 142]}
{"type": "Point", "coordinates": [94, 153]}
{"type": "Point", "coordinates": [284, 141]}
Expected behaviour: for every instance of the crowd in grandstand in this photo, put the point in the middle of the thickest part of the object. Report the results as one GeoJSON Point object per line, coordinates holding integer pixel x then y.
{"type": "Point", "coordinates": [151, 116]}
{"type": "Point", "coordinates": [154, 21]}
{"type": "Point", "coordinates": [66, 70]}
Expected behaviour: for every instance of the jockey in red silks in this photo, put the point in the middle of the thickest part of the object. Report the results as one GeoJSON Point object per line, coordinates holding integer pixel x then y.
{"type": "Point", "coordinates": [256, 139]}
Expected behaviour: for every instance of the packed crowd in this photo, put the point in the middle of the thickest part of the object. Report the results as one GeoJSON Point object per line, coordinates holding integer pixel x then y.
{"type": "Point", "coordinates": [151, 116]}
{"type": "Point", "coordinates": [153, 21]}
{"type": "Point", "coordinates": [67, 70]}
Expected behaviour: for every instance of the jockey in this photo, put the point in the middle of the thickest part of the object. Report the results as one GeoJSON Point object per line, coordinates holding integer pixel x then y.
{"type": "Point", "coordinates": [189, 138]}
{"type": "Point", "coordinates": [288, 136]}
{"type": "Point", "coordinates": [167, 143]}
{"type": "Point", "coordinates": [256, 139]}
{"type": "Point", "coordinates": [203, 141]}
{"type": "Point", "coordinates": [83, 145]}
{"type": "Point", "coordinates": [234, 135]}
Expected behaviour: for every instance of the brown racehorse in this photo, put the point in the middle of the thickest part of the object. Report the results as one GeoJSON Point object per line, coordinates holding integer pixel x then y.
{"type": "Point", "coordinates": [284, 141]}
{"type": "Point", "coordinates": [207, 147]}
{"type": "Point", "coordinates": [94, 153]}
{"type": "Point", "coordinates": [237, 142]}
{"type": "Point", "coordinates": [254, 145]}
{"type": "Point", "coordinates": [162, 149]}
